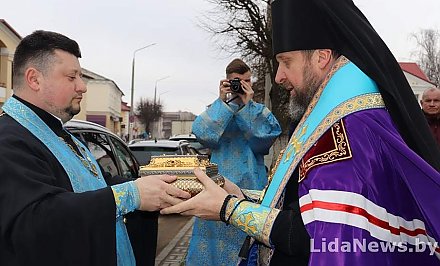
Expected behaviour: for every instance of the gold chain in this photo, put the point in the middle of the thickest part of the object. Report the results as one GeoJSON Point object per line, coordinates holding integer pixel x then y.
{"type": "Point", "coordinates": [87, 163]}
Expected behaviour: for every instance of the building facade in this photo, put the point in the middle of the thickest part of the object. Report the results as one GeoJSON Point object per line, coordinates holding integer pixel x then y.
{"type": "Point", "coordinates": [163, 128]}
{"type": "Point", "coordinates": [125, 114]}
{"type": "Point", "coordinates": [9, 40]}
{"type": "Point", "coordinates": [102, 103]}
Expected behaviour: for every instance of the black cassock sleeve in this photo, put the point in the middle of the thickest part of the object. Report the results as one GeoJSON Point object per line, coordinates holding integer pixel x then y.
{"type": "Point", "coordinates": [42, 222]}
{"type": "Point", "coordinates": [142, 228]}
{"type": "Point", "coordinates": [289, 235]}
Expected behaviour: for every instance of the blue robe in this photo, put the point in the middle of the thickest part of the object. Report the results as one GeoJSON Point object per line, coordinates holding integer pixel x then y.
{"type": "Point", "coordinates": [238, 138]}
{"type": "Point", "coordinates": [42, 221]}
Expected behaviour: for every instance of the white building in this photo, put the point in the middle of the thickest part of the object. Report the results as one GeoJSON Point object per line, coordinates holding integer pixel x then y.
{"type": "Point", "coordinates": [417, 79]}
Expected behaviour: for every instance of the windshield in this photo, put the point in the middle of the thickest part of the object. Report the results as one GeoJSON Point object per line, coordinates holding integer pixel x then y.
{"type": "Point", "coordinates": [143, 154]}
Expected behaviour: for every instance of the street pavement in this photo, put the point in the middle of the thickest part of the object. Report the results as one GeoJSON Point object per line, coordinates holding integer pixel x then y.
{"type": "Point", "coordinates": [173, 239]}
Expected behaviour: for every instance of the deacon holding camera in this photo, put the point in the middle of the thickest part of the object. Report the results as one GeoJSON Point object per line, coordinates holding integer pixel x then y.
{"type": "Point", "coordinates": [239, 133]}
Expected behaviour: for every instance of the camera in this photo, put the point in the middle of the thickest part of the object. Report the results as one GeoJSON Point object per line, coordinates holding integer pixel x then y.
{"type": "Point", "coordinates": [236, 86]}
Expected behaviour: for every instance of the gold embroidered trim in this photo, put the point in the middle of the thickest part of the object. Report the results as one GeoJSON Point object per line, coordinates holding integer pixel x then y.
{"type": "Point", "coordinates": [230, 206]}
{"type": "Point", "coordinates": [341, 152]}
{"type": "Point", "coordinates": [267, 228]}
{"type": "Point", "coordinates": [118, 196]}
{"type": "Point", "coordinates": [362, 102]}
{"type": "Point", "coordinates": [253, 219]}
{"type": "Point", "coordinates": [272, 172]}
{"type": "Point", "coordinates": [253, 194]}
{"type": "Point", "coordinates": [340, 62]}
{"type": "Point", "coordinates": [295, 144]}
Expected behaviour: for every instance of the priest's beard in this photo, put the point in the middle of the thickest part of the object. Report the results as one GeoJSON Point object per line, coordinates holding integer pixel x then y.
{"type": "Point", "coordinates": [71, 112]}
{"type": "Point", "coordinates": [65, 114]}
{"type": "Point", "coordinates": [303, 95]}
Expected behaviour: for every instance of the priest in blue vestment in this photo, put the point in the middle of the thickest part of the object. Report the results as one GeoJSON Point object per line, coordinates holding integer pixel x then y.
{"type": "Point", "coordinates": [56, 206]}
{"type": "Point", "coordinates": [239, 132]}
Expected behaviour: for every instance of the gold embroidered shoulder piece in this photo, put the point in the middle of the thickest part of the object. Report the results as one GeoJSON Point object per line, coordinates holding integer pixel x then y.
{"type": "Point", "coordinates": [333, 146]}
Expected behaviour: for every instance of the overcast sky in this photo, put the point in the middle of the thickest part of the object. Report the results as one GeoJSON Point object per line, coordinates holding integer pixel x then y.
{"type": "Point", "coordinates": [108, 33]}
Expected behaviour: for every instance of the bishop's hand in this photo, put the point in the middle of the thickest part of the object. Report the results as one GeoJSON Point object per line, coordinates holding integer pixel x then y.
{"type": "Point", "coordinates": [206, 204]}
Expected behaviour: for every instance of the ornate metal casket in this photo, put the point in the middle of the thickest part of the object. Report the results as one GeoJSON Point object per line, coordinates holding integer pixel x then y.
{"type": "Point", "coordinates": [183, 166]}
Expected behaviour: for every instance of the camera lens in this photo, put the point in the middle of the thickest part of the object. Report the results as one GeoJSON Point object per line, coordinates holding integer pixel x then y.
{"type": "Point", "coordinates": [236, 86]}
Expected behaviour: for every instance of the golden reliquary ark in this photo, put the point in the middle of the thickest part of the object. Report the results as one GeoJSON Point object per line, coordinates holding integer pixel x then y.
{"type": "Point", "coordinates": [183, 166]}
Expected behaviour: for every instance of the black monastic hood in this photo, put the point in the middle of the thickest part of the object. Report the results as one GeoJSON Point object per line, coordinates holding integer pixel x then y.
{"type": "Point", "coordinates": [339, 25]}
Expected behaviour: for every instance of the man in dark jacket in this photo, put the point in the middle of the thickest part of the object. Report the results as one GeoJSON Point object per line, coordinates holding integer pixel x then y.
{"type": "Point", "coordinates": [431, 108]}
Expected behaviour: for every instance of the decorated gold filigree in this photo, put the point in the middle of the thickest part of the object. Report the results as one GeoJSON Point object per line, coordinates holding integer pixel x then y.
{"type": "Point", "coordinates": [341, 151]}
{"type": "Point", "coordinates": [179, 161]}
{"type": "Point", "coordinates": [183, 166]}
{"type": "Point", "coordinates": [362, 102]}
{"type": "Point", "coordinates": [272, 172]}
{"type": "Point", "coordinates": [193, 186]}
{"type": "Point", "coordinates": [254, 219]}
{"type": "Point", "coordinates": [252, 194]}
{"type": "Point", "coordinates": [295, 143]}
{"type": "Point", "coordinates": [373, 100]}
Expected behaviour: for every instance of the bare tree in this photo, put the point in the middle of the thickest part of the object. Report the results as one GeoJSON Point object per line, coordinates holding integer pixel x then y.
{"type": "Point", "coordinates": [428, 41]}
{"type": "Point", "coordinates": [244, 27]}
{"type": "Point", "coordinates": [148, 112]}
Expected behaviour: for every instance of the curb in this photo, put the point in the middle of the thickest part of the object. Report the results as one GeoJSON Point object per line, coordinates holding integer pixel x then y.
{"type": "Point", "coordinates": [172, 244]}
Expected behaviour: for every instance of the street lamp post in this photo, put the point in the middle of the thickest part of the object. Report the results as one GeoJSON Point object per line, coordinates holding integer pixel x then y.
{"type": "Point", "coordinates": [158, 100]}
{"type": "Point", "coordinates": [155, 93]}
{"type": "Point", "coordinates": [155, 87]}
{"type": "Point", "coordinates": [130, 133]}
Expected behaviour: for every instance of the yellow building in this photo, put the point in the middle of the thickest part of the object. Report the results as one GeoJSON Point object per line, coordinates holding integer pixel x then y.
{"type": "Point", "coordinates": [102, 102]}
{"type": "Point", "coordinates": [125, 113]}
{"type": "Point", "coordinates": [9, 40]}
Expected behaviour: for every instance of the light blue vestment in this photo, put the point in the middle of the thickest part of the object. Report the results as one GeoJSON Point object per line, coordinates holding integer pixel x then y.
{"type": "Point", "coordinates": [238, 138]}
{"type": "Point", "coordinates": [80, 177]}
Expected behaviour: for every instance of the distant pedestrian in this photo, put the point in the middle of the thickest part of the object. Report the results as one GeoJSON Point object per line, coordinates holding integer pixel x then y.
{"type": "Point", "coordinates": [431, 108]}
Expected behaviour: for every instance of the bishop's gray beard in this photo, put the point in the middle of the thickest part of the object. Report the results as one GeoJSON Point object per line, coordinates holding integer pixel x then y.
{"type": "Point", "coordinates": [303, 96]}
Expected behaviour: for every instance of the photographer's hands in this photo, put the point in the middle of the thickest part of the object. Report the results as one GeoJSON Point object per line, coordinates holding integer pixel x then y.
{"type": "Point", "coordinates": [224, 89]}
{"type": "Point", "coordinates": [248, 92]}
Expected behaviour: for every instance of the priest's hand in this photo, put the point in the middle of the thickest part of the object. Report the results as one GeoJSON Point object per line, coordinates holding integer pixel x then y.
{"type": "Point", "coordinates": [206, 204]}
{"type": "Point", "coordinates": [156, 193]}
